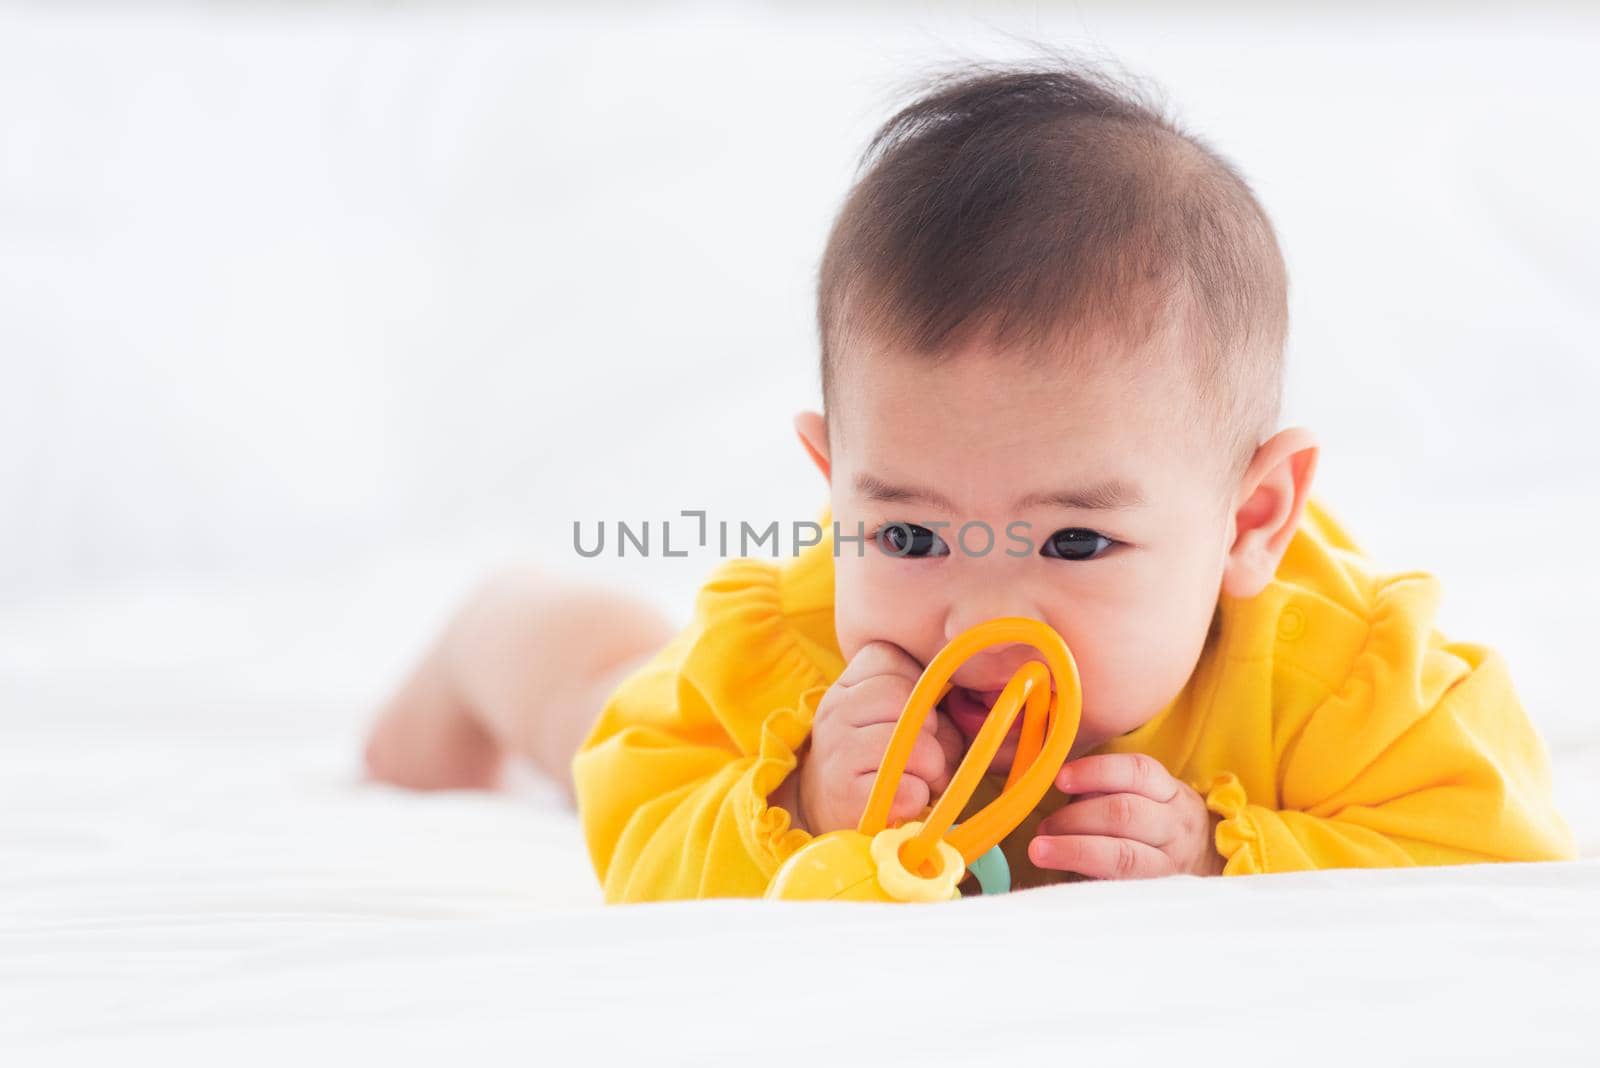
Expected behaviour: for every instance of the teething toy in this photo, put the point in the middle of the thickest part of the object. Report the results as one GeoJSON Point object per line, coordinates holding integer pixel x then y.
{"type": "Point", "coordinates": [924, 860]}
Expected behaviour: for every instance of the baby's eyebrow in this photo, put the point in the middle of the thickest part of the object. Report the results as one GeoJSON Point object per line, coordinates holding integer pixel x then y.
{"type": "Point", "coordinates": [876, 489]}
{"type": "Point", "coordinates": [1107, 495]}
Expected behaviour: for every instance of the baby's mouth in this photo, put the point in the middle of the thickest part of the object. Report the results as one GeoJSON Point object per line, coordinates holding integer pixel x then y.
{"type": "Point", "coordinates": [968, 709]}
{"type": "Point", "coordinates": [987, 698]}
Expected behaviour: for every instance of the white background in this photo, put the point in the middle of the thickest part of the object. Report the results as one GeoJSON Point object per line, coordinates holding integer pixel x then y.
{"type": "Point", "coordinates": [284, 291]}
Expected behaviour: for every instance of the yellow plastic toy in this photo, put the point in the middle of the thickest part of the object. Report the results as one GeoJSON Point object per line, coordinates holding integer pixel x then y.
{"type": "Point", "coordinates": [919, 861]}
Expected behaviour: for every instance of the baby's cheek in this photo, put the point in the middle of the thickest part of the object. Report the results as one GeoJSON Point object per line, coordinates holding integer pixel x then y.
{"type": "Point", "coordinates": [1122, 696]}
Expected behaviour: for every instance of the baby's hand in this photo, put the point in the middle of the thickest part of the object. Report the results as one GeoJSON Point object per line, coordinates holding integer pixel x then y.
{"type": "Point", "coordinates": [850, 735]}
{"type": "Point", "coordinates": [1130, 819]}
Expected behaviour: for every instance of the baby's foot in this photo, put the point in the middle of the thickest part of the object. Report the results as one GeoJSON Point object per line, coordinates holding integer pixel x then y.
{"type": "Point", "coordinates": [425, 738]}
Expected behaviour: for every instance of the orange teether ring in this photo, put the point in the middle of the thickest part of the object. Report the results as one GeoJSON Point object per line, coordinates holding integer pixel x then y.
{"type": "Point", "coordinates": [1050, 699]}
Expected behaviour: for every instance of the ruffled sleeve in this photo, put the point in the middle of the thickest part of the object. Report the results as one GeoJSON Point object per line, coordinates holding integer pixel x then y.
{"type": "Point", "coordinates": [1237, 838]}
{"type": "Point", "coordinates": [672, 781]}
{"type": "Point", "coordinates": [1423, 755]}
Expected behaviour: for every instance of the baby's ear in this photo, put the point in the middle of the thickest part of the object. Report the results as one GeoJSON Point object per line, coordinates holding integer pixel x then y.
{"type": "Point", "coordinates": [1271, 497]}
{"type": "Point", "coordinates": [812, 427]}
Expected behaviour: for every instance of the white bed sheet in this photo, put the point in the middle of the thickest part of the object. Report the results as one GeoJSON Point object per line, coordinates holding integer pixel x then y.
{"type": "Point", "coordinates": [194, 873]}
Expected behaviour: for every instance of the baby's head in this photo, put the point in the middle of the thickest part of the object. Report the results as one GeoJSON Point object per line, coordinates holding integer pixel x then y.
{"type": "Point", "coordinates": [1052, 318]}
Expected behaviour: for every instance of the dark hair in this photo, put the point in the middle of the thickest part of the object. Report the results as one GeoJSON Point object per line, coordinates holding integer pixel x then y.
{"type": "Point", "coordinates": [1036, 202]}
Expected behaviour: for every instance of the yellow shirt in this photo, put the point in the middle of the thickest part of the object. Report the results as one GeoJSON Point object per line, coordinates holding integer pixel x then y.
{"type": "Point", "coordinates": [1328, 723]}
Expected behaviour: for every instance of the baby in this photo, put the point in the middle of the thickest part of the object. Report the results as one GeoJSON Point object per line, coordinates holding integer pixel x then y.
{"type": "Point", "coordinates": [1052, 337]}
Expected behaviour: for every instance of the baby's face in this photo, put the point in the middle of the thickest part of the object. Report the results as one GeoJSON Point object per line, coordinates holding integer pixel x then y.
{"type": "Point", "coordinates": [1129, 575]}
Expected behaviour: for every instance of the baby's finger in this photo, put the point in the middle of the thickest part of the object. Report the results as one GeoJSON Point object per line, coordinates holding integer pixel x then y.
{"type": "Point", "coordinates": [930, 722]}
{"type": "Point", "coordinates": [954, 746]}
{"type": "Point", "coordinates": [880, 699]}
{"type": "Point", "coordinates": [879, 658]}
{"type": "Point", "coordinates": [1099, 857]}
{"type": "Point", "coordinates": [1115, 816]}
{"type": "Point", "coordinates": [926, 760]}
{"type": "Point", "coordinates": [1118, 773]}
{"type": "Point", "coordinates": [910, 798]}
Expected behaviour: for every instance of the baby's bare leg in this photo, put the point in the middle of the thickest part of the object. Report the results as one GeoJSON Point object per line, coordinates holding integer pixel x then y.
{"type": "Point", "coordinates": [522, 669]}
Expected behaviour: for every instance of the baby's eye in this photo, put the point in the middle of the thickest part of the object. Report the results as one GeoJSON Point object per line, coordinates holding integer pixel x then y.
{"type": "Point", "coordinates": [910, 540]}
{"type": "Point", "coordinates": [1075, 543]}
